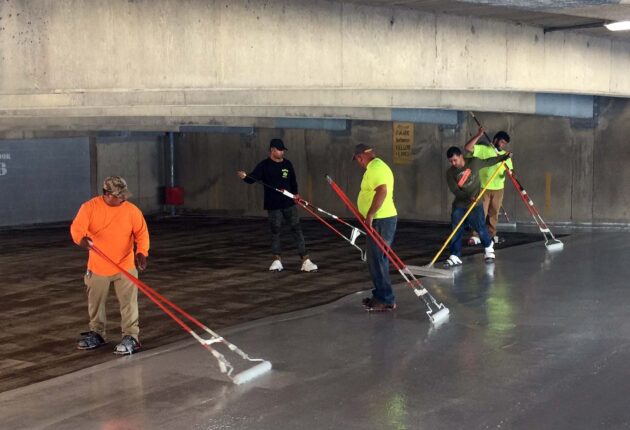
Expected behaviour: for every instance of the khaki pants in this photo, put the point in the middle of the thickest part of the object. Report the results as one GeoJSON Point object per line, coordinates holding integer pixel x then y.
{"type": "Point", "coordinates": [127, 294]}
{"type": "Point", "coordinates": [492, 202]}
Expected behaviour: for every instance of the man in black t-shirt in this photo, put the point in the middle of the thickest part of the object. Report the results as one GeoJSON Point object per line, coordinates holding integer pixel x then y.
{"type": "Point", "coordinates": [277, 172]}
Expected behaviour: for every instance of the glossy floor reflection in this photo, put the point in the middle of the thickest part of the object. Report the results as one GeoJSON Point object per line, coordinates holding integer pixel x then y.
{"type": "Point", "coordinates": [535, 341]}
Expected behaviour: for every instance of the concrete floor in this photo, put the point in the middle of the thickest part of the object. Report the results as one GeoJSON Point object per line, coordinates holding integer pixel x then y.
{"type": "Point", "coordinates": [214, 268]}
{"type": "Point", "coordinates": [537, 340]}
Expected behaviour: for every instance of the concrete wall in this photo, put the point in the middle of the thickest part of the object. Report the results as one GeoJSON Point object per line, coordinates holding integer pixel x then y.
{"type": "Point", "coordinates": [573, 172]}
{"type": "Point", "coordinates": [43, 180]}
{"type": "Point", "coordinates": [140, 160]}
{"type": "Point", "coordinates": [46, 180]}
{"type": "Point", "coordinates": [68, 63]}
{"type": "Point", "coordinates": [611, 158]}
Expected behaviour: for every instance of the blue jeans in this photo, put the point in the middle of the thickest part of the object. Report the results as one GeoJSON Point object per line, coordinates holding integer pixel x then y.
{"type": "Point", "coordinates": [377, 261]}
{"type": "Point", "coordinates": [476, 220]}
{"type": "Point", "coordinates": [290, 215]}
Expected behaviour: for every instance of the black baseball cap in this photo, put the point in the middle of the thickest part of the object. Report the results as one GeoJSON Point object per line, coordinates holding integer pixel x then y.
{"type": "Point", "coordinates": [278, 144]}
{"type": "Point", "coordinates": [360, 149]}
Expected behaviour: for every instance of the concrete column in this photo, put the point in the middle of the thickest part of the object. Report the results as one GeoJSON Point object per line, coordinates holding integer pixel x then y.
{"type": "Point", "coordinates": [583, 142]}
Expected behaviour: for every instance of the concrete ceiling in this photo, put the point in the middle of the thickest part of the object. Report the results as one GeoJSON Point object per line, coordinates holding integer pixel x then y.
{"type": "Point", "coordinates": [547, 14]}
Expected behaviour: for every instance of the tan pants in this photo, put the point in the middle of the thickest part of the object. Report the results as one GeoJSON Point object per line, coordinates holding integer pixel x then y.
{"type": "Point", "coordinates": [492, 202]}
{"type": "Point", "coordinates": [127, 293]}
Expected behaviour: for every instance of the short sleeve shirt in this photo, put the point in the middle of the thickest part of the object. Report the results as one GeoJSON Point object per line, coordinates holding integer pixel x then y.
{"type": "Point", "coordinates": [376, 174]}
{"type": "Point", "coordinates": [485, 152]}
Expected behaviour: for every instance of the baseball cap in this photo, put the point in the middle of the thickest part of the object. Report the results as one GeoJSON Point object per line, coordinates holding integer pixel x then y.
{"type": "Point", "coordinates": [278, 144]}
{"type": "Point", "coordinates": [116, 186]}
{"type": "Point", "coordinates": [360, 149]}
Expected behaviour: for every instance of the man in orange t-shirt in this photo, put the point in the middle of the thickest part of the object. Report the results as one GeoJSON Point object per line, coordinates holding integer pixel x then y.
{"type": "Point", "coordinates": [113, 225]}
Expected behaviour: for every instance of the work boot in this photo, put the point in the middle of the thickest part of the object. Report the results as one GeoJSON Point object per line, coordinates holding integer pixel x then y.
{"type": "Point", "coordinates": [276, 266]}
{"type": "Point", "coordinates": [373, 305]}
{"type": "Point", "coordinates": [90, 340]}
{"type": "Point", "coordinates": [308, 266]}
{"type": "Point", "coordinates": [127, 346]}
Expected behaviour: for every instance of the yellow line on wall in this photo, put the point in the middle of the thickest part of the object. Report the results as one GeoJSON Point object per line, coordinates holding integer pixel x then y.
{"type": "Point", "coordinates": [547, 193]}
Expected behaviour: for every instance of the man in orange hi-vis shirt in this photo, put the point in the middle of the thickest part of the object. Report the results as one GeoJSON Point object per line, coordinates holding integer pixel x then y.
{"type": "Point", "coordinates": [113, 225]}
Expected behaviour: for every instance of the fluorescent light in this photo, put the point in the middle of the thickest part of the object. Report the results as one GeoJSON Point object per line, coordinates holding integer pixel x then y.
{"type": "Point", "coordinates": [618, 26]}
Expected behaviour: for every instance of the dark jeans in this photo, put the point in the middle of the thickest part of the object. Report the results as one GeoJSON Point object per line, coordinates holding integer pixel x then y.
{"type": "Point", "coordinates": [476, 221]}
{"type": "Point", "coordinates": [275, 223]}
{"type": "Point", "coordinates": [378, 263]}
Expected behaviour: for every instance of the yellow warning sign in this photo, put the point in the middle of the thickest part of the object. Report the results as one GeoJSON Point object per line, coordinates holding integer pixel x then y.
{"type": "Point", "coordinates": [402, 140]}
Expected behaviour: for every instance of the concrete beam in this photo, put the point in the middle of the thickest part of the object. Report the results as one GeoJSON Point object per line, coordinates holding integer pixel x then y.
{"type": "Point", "coordinates": [281, 58]}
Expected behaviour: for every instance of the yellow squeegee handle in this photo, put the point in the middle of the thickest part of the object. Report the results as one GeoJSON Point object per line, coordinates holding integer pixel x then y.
{"type": "Point", "coordinates": [472, 206]}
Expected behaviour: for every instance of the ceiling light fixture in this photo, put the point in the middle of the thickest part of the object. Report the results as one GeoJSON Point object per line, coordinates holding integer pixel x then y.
{"type": "Point", "coordinates": [618, 26]}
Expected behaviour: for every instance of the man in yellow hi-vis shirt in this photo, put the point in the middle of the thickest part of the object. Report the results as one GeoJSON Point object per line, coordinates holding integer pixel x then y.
{"type": "Point", "coordinates": [376, 203]}
{"type": "Point", "coordinates": [493, 197]}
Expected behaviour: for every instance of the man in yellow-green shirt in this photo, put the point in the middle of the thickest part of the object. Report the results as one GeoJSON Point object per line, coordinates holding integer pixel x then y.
{"type": "Point", "coordinates": [493, 197]}
{"type": "Point", "coordinates": [376, 204]}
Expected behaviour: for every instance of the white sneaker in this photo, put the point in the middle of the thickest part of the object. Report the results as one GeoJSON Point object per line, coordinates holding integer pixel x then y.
{"type": "Point", "coordinates": [276, 266]}
{"type": "Point", "coordinates": [474, 240]}
{"type": "Point", "coordinates": [489, 253]}
{"type": "Point", "coordinates": [453, 260]}
{"type": "Point", "coordinates": [308, 266]}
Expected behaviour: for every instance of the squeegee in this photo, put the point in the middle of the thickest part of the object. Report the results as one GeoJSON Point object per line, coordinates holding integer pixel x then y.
{"type": "Point", "coordinates": [163, 303]}
{"type": "Point", "coordinates": [437, 312]}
